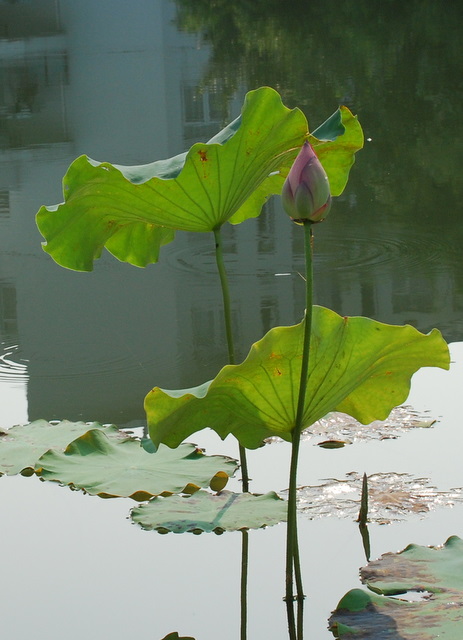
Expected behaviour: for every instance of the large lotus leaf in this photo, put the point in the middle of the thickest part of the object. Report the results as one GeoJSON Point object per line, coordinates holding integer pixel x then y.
{"type": "Point", "coordinates": [205, 512]}
{"type": "Point", "coordinates": [357, 366]}
{"type": "Point", "coordinates": [103, 205]}
{"type": "Point", "coordinates": [436, 572]}
{"type": "Point", "coordinates": [23, 445]}
{"type": "Point", "coordinates": [109, 468]}
{"type": "Point", "coordinates": [174, 636]}
{"type": "Point", "coordinates": [336, 141]}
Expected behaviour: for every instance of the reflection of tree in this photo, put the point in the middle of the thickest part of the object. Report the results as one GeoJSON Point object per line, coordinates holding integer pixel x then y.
{"type": "Point", "coordinates": [397, 65]}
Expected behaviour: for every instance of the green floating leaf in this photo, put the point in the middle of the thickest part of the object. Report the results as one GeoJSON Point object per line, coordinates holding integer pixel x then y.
{"type": "Point", "coordinates": [357, 366]}
{"type": "Point", "coordinates": [435, 573]}
{"type": "Point", "coordinates": [133, 211]}
{"type": "Point", "coordinates": [204, 512]}
{"type": "Point", "coordinates": [174, 636]}
{"type": "Point", "coordinates": [23, 445]}
{"type": "Point", "coordinates": [110, 468]}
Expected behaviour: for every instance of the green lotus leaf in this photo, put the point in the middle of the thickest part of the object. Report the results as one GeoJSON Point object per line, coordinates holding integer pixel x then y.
{"type": "Point", "coordinates": [174, 636]}
{"type": "Point", "coordinates": [337, 155]}
{"type": "Point", "coordinates": [335, 141]}
{"type": "Point", "coordinates": [110, 206]}
{"type": "Point", "coordinates": [357, 366]}
{"type": "Point", "coordinates": [425, 570]}
{"type": "Point", "coordinates": [206, 512]}
{"type": "Point", "coordinates": [110, 468]}
{"type": "Point", "coordinates": [134, 211]}
{"type": "Point", "coordinates": [22, 445]}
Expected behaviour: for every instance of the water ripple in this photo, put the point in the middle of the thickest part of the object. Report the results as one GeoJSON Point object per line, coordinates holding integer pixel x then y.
{"type": "Point", "coordinates": [10, 369]}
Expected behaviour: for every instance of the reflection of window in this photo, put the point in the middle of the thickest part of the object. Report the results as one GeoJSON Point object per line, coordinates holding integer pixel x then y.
{"type": "Point", "coordinates": [201, 106]}
{"type": "Point", "coordinates": [413, 295]}
{"type": "Point", "coordinates": [268, 313]}
{"type": "Point", "coordinates": [4, 203]}
{"type": "Point", "coordinates": [31, 100]}
{"type": "Point", "coordinates": [8, 318]}
{"type": "Point", "coordinates": [194, 105]}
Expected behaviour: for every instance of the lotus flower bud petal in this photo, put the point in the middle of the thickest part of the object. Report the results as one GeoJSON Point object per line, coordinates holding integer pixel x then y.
{"type": "Point", "coordinates": [306, 191]}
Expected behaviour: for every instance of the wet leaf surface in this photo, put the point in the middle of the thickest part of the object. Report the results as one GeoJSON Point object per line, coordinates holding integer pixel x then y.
{"type": "Point", "coordinates": [435, 572]}
{"type": "Point", "coordinates": [205, 512]}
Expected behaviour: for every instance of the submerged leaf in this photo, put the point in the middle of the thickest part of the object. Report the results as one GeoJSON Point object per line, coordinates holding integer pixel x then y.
{"type": "Point", "coordinates": [357, 366]}
{"type": "Point", "coordinates": [22, 446]}
{"type": "Point", "coordinates": [109, 468]}
{"type": "Point", "coordinates": [204, 512]}
{"type": "Point", "coordinates": [436, 572]}
{"type": "Point", "coordinates": [392, 496]}
{"type": "Point", "coordinates": [134, 211]}
{"type": "Point", "coordinates": [340, 425]}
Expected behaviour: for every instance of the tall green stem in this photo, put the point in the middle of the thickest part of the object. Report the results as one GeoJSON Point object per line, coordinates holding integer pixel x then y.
{"type": "Point", "coordinates": [292, 552]}
{"type": "Point", "coordinates": [229, 332]}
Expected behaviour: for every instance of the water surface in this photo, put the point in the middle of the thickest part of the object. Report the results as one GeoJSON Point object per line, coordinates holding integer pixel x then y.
{"type": "Point", "coordinates": [132, 85]}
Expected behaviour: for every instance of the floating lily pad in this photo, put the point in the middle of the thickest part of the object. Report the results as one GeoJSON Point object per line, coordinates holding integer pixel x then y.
{"type": "Point", "coordinates": [174, 636]}
{"type": "Point", "coordinates": [435, 572]}
{"type": "Point", "coordinates": [109, 468]}
{"type": "Point", "coordinates": [22, 445]}
{"type": "Point", "coordinates": [205, 512]}
{"type": "Point", "coordinates": [357, 366]}
{"type": "Point", "coordinates": [391, 497]}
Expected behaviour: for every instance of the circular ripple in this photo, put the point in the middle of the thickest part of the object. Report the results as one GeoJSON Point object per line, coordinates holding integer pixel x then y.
{"type": "Point", "coordinates": [10, 369]}
{"type": "Point", "coordinates": [357, 252]}
{"type": "Point", "coordinates": [331, 252]}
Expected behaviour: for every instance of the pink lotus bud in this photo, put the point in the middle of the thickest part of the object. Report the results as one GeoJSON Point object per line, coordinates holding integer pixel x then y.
{"type": "Point", "coordinates": [306, 191]}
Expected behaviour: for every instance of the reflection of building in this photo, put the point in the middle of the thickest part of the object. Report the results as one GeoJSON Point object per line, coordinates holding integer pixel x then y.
{"type": "Point", "coordinates": [86, 78]}
{"type": "Point", "coordinates": [33, 73]}
{"type": "Point", "coordinates": [118, 82]}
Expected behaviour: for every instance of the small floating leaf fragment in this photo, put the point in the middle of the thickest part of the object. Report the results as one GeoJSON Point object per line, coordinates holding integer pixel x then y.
{"type": "Point", "coordinates": [333, 444]}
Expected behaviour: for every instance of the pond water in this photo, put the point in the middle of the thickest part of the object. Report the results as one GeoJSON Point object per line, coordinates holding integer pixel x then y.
{"type": "Point", "coordinates": [134, 84]}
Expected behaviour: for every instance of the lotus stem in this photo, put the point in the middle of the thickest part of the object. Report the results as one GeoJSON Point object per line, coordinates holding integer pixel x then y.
{"type": "Point", "coordinates": [292, 551]}
{"type": "Point", "coordinates": [229, 333]}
